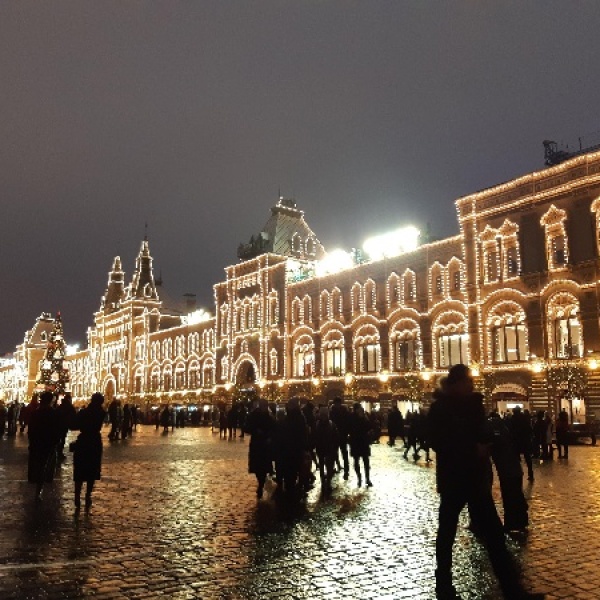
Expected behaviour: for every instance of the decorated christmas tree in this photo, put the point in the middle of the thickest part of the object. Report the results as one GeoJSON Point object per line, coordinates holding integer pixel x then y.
{"type": "Point", "coordinates": [52, 373]}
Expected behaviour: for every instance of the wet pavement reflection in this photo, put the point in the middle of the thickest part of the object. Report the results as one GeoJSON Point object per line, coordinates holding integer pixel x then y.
{"type": "Point", "coordinates": [176, 516]}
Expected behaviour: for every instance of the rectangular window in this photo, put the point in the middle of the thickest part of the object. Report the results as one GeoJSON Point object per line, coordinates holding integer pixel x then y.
{"type": "Point", "coordinates": [368, 358]}
{"type": "Point", "coordinates": [406, 355]}
{"type": "Point", "coordinates": [452, 349]}
{"type": "Point", "coordinates": [335, 361]}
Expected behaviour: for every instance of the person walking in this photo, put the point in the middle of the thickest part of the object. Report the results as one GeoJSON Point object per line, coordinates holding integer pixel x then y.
{"type": "Point", "coordinates": [360, 442]}
{"type": "Point", "coordinates": [395, 425]}
{"type": "Point", "coordinates": [462, 443]}
{"type": "Point", "coordinates": [294, 438]}
{"type": "Point", "coordinates": [325, 438]}
{"type": "Point", "coordinates": [87, 450]}
{"type": "Point", "coordinates": [340, 417]}
{"type": "Point", "coordinates": [510, 473]}
{"type": "Point", "coordinates": [127, 423]}
{"type": "Point", "coordinates": [43, 433]}
{"type": "Point", "coordinates": [66, 416]}
{"type": "Point", "coordinates": [165, 418]}
{"type": "Point", "coordinates": [3, 417]}
{"type": "Point", "coordinates": [28, 410]}
{"type": "Point", "coordinates": [260, 425]}
{"type": "Point", "coordinates": [562, 434]}
{"type": "Point", "coordinates": [522, 435]}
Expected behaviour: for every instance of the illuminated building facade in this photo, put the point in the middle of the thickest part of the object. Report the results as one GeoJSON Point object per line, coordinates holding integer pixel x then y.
{"type": "Point", "coordinates": [514, 295]}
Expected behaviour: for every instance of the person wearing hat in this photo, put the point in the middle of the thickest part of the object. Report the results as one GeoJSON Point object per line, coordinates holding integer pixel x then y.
{"type": "Point", "coordinates": [87, 449]}
{"type": "Point", "coordinates": [461, 439]}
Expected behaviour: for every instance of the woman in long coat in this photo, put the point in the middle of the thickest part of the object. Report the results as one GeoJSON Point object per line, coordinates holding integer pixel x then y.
{"type": "Point", "coordinates": [43, 433]}
{"type": "Point", "coordinates": [260, 425]}
{"type": "Point", "coordinates": [87, 457]}
{"type": "Point", "coordinates": [360, 443]}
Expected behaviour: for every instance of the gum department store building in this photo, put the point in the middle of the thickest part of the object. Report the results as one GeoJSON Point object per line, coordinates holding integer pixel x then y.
{"type": "Point", "coordinates": [514, 295]}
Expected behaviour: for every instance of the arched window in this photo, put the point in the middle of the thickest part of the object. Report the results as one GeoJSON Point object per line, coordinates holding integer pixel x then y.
{"type": "Point", "coordinates": [490, 255]}
{"type": "Point", "coordinates": [367, 350]}
{"type": "Point", "coordinates": [356, 298]}
{"type": "Point", "coordinates": [557, 251]}
{"type": "Point", "coordinates": [508, 333]}
{"type": "Point", "coordinates": [410, 287]}
{"type": "Point", "coordinates": [370, 294]}
{"type": "Point", "coordinates": [565, 334]}
{"type": "Point", "coordinates": [296, 311]}
{"type": "Point", "coordinates": [155, 379]}
{"type": "Point", "coordinates": [451, 339]}
{"type": "Point", "coordinates": [167, 378]}
{"type": "Point", "coordinates": [324, 306]}
{"type": "Point", "coordinates": [307, 309]}
{"type": "Point", "coordinates": [208, 373]}
{"type": "Point", "coordinates": [336, 303]}
{"type": "Point", "coordinates": [180, 376]}
{"type": "Point", "coordinates": [334, 354]}
{"type": "Point", "coordinates": [406, 346]}
{"type": "Point", "coordinates": [304, 357]}
{"type": "Point", "coordinates": [394, 296]}
{"type": "Point", "coordinates": [273, 362]}
{"type": "Point", "coordinates": [194, 375]}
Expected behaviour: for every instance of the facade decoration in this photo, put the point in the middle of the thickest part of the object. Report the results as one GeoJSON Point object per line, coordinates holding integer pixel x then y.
{"type": "Point", "coordinates": [515, 295]}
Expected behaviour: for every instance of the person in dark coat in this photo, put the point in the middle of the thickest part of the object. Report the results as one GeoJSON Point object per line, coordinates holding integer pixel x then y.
{"type": "Point", "coordinates": [360, 442]}
{"type": "Point", "coordinates": [127, 423]}
{"type": "Point", "coordinates": [28, 410]}
{"type": "Point", "coordinates": [340, 417]}
{"type": "Point", "coordinates": [114, 415]}
{"type": "Point", "coordinates": [508, 466]}
{"type": "Point", "coordinates": [43, 433]}
{"type": "Point", "coordinates": [260, 425]}
{"type": "Point", "coordinates": [395, 425]}
{"type": "Point", "coordinates": [165, 418]}
{"type": "Point", "coordinates": [325, 437]}
{"type": "Point", "coordinates": [66, 414]}
{"type": "Point", "coordinates": [242, 416]}
{"type": "Point", "coordinates": [222, 423]}
{"type": "Point", "coordinates": [522, 435]}
{"type": "Point", "coordinates": [3, 417]}
{"type": "Point", "coordinates": [462, 441]}
{"type": "Point", "coordinates": [87, 453]}
{"type": "Point", "coordinates": [294, 437]}
{"type": "Point", "coordinates": [562, 434]}
{"type": "Point", "coordinates": [232, 420]}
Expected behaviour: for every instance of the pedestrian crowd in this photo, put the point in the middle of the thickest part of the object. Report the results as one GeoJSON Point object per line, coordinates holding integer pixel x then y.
{"type": "Point", "coordinates": [296, 444]}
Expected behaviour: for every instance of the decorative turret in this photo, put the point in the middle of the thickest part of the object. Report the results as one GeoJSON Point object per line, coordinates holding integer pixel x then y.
{"type": "Point", "coordinates": [115, 292]}
{"type": "Point", "coordinates": [142, 284]}
{"type": "Point", "coordinates": [285, 233]}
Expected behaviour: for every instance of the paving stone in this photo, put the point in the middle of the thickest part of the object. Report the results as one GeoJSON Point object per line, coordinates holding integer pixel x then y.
{"type": "Point", "coordinates": [176, 516]}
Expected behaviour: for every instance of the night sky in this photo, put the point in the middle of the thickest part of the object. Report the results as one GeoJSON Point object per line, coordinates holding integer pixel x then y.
{"type": "Point", "coordinates": [190, 116]}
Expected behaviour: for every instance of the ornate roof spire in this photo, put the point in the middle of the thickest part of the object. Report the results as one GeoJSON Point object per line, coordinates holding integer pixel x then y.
{"type": "Point", "coordinates": [115, 291]}
{"type": "Point", "coordinates": [142, 284]}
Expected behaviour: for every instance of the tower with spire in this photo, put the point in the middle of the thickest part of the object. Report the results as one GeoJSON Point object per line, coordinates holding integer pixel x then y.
{"type": "Point", "coordinates": [143, 285]}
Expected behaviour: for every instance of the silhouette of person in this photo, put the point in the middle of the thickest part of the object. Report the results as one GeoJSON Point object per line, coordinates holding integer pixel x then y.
{"type": "Point", "coordinates": [462, 441]}
{"type": "Point", "coordinates": [87, 454]}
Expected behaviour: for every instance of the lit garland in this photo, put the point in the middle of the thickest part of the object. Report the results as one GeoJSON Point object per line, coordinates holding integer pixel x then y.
{"type": "Point", "coordinates": [53, 375]}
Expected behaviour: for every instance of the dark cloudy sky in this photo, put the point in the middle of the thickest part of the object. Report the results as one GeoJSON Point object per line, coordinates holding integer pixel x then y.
{"type": "Point", "coordinates": [191, 115]}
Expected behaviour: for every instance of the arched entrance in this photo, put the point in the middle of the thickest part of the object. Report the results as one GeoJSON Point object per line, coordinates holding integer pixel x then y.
{"type": "Point", "coordinates": [109, 390]}
{"type": "Point", "coordinates": [507, 396]}
{"type": "Point", "coordinates": [246, 373]}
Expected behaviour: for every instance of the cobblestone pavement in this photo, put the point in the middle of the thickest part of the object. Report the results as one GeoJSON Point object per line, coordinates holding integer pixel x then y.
{"type": "Point", "coordinates": [176, 516]}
